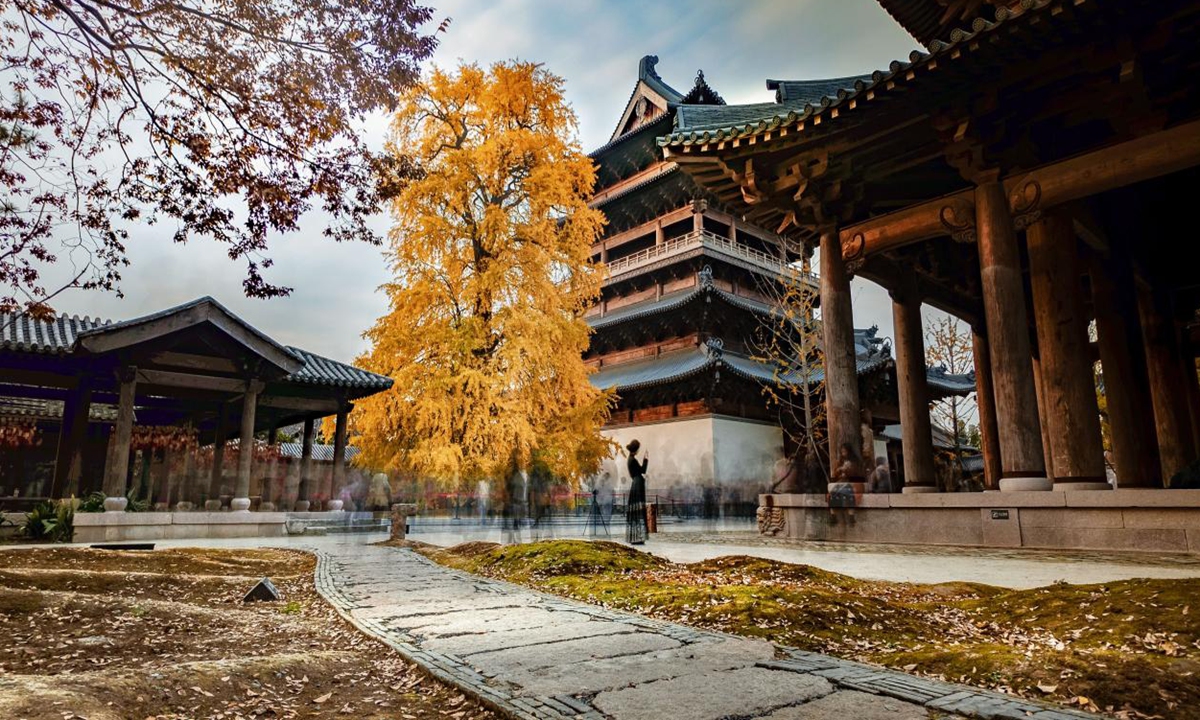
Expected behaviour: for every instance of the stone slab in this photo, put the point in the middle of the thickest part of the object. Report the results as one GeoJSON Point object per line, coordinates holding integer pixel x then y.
{"type": "Point", "coordinates": [577, 651]}
{"type": "Point", "coordinates": [711, 696]}
{"type": "Point", "coordinates": [851, 705]}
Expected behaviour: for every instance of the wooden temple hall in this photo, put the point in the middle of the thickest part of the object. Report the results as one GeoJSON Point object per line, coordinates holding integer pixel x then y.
{"type": "Point", "coordinates": [1029, 173]}
{"type": "Point", "coordinates": [163, 408]}
{"type": "Point", "coordinates": [692, 300]}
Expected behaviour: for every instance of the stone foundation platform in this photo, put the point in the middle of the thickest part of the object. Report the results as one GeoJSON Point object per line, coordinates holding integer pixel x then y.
{"type": "Point", "coordinates": [1147, 520]}
{"type": "Point", "coordinates": [127, 526]}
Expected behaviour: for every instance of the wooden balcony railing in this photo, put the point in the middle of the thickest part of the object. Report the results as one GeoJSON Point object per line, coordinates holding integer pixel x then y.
{"type": "Point", "coordinates": [706, 239]}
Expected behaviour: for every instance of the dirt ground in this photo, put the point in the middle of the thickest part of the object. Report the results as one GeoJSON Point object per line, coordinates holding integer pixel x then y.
{"type": "Point", "coordinates": [1130, 648]}
{"type": "Point", "coordinates": [114, 635]}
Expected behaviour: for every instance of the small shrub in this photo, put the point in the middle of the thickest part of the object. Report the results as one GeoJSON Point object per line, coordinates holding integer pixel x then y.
{"type": "Point", "coordinates": [292, 607]}
{"type": "Point", "coordinates": [93, 503]}
{"type": "Point", "coordinates": [50, 521]}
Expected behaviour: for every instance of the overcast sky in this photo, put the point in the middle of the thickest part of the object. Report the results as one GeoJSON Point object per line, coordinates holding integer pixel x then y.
{"type": "Point", "coordinates": [595, 45]}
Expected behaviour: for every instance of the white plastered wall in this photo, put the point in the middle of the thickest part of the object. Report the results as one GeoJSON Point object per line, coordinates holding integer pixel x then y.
{"type": "Point", "coordinates": [697, 452]}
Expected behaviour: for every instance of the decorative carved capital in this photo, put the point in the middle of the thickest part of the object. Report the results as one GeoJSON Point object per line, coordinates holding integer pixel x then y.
{"type": "Point", "coordinates": [958, 218]}
{"type": "Point", "coordinates": [1025, 202]}
{"type": "Point", "coordinates": [854, 253]}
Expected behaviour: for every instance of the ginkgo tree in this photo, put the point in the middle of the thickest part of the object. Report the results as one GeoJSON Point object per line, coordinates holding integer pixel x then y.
{"type": "Point", "coordinates": [491, 255]}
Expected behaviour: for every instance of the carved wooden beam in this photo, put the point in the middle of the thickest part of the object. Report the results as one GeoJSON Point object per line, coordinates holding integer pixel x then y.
{"type": "Point", "coordinates": [1029, 193]}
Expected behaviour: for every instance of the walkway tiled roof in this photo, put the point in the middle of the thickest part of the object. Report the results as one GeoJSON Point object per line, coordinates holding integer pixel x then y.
{"type": "Point", "coordinates": [60, 335]}
{"type": "Point", "coordinates": [319, 370]}
{"type": "Point", "coordinates": [23, 333]}
{"type": "Point", "coordinates": [775, 116]}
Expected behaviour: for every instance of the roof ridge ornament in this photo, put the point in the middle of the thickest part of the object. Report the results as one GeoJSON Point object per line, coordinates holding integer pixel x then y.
{"type": "Point", "coordinates": [714, 348]}
{"type": "Point", "coordinates": [705, 278]}
{"type": "Point", "coordinates": [646, 67]}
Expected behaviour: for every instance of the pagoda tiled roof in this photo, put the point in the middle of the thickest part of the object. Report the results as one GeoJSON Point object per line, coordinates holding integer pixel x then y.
{"type": "Point", "coordinates": [871, 356]}
{"type": "Point", "coordinates": [704, 128]}
{"type": "Point", "coordinates": [682, 364]}
{"type": "Point", "coordinates": [675, 300]}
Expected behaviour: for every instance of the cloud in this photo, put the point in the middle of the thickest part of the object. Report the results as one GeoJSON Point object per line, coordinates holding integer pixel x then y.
{"type": "Point", "coordinates": [595, 45]}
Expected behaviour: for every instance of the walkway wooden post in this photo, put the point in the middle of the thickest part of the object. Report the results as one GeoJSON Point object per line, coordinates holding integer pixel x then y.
{"type": "Point", "coordinates": [1130, 417]}
{"type": "Point", "coordinates": [118, 464]}
{"type": "Point", "coordinates": [68, 464]}
{"type": "Point", "coordinates": [1172, 422]}
{"type": "Point", "coordinates": [913, 386]}
{"type": "Point", "coordinates": [339, 457]}
{"type": "Point", "coordinates": [841, 371]}
{"type": "Point", "coordinates": [1068, 380]}
{"type": "Point", "coordinates": [985, 404]}
{"type": "Point", "coordinates": [241, 493]}
{"type": "Point", "coordinates": [305, 493]}
{"type": "Point", "coordinates": [216, 474]}
{"type": "Point", "coordinates": [1022, 463]}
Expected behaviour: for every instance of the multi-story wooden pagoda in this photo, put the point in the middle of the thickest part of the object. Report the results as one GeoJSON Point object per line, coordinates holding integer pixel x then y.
{"type": "Point", "coordinates": [690, 286]}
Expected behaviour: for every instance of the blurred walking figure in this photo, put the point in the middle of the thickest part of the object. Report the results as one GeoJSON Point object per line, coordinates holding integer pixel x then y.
{"type": "Point", "coordinates": [881, 477]}
{"type": "Point", "coordinates": [635, 509]}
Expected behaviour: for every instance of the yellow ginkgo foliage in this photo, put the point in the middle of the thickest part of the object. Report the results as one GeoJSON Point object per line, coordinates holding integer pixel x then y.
{"type": "Point", "coordinates": [490, 251]}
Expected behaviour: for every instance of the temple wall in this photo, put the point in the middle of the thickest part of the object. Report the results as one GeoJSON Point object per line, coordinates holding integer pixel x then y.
{"type": "Point", "coordinates": [700, 451]}
{"type": "Point", "coordinates": [745, 452]}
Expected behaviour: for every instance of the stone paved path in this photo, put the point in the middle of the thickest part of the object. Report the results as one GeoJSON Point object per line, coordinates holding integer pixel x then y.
{"type": "Point", "coordinates": [535, 656]}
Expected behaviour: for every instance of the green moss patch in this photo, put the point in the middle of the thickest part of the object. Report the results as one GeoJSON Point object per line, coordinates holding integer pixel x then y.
{"type": "Point", "coordinates": [1129, 647]}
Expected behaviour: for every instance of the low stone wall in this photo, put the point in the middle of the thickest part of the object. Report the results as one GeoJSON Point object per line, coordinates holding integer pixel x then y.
{"type": "Point", "coordinates": [129, 526]}
{"type": "Point", "coordinates": [1147, 520]}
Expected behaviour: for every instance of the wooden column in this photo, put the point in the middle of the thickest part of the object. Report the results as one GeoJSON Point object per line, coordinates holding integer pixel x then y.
{"type": "Point", "coordinates": [913, 385]}
{"type": "Point", "coordinates": [339, 454]}
{"type": "Point", "coordinates": [268, 490]}
{"type": "Point", "coordinates": [215, 478]}
{"type": "Point", "coordinates": [1068, 381]}
{"type": "Point", "coordinates": [1191, 386]}
{"type": "Point", "coordinates": [118, 465]}
{"type": "Point", "coordinates": [733, 229]}
{"type": "Point", "coordinates": [305, 493]}
{"type": "Point", "coordinates": [841, 371]}
{"type": "Point", "coordinates": [1047, 442]}
{"type": "Point", "coordinates": [241, 493]}
{"type": "Point", "coordinates": [1130, 416]}
{"type": "Point", "coordinates": [697, 221]}
{"type": "Point", "coordinates": [659, 234]}
{"type": "Point", "coordinates": [1021, 461]}
{"type": "Point", "coordinates": [72, 432]}
{"type": "Point", "coordinates": [1172, 422]}
{"type": "Point", "coordinates": [985, 404]}
{"type": "Point", "coordinates": [603, 254]}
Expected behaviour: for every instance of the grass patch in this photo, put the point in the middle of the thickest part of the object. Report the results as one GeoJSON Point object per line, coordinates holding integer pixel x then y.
{"type": "Point", "coordinates": [1130, 647]}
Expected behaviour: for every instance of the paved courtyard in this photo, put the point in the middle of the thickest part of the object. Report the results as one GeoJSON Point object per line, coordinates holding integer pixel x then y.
{"type": "Point", "coordinates": [538, 656]}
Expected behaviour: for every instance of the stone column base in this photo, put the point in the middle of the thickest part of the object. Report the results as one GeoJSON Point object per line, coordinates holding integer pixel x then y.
{"type": "Point", "coordinates": [1070, 486]}
{"type": "Point", "coordinates": [115, 504]}
{"type": "Point", "coordinates": [1025, 484]}
{"type": "Point", "coordinates": [334, 505]}
{"type": "Point", "coordinates": [212, 505]}
{"type": "Point", "coordinates": [240, 504]}
{"type": "Point", "coordinates": [301, 506]}
{"type": "Point", "coordinates": [911, 489]}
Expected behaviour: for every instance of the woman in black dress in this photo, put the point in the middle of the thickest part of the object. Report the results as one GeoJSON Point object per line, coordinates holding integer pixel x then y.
{"type": "Point", "coordinates": [635, 509]}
